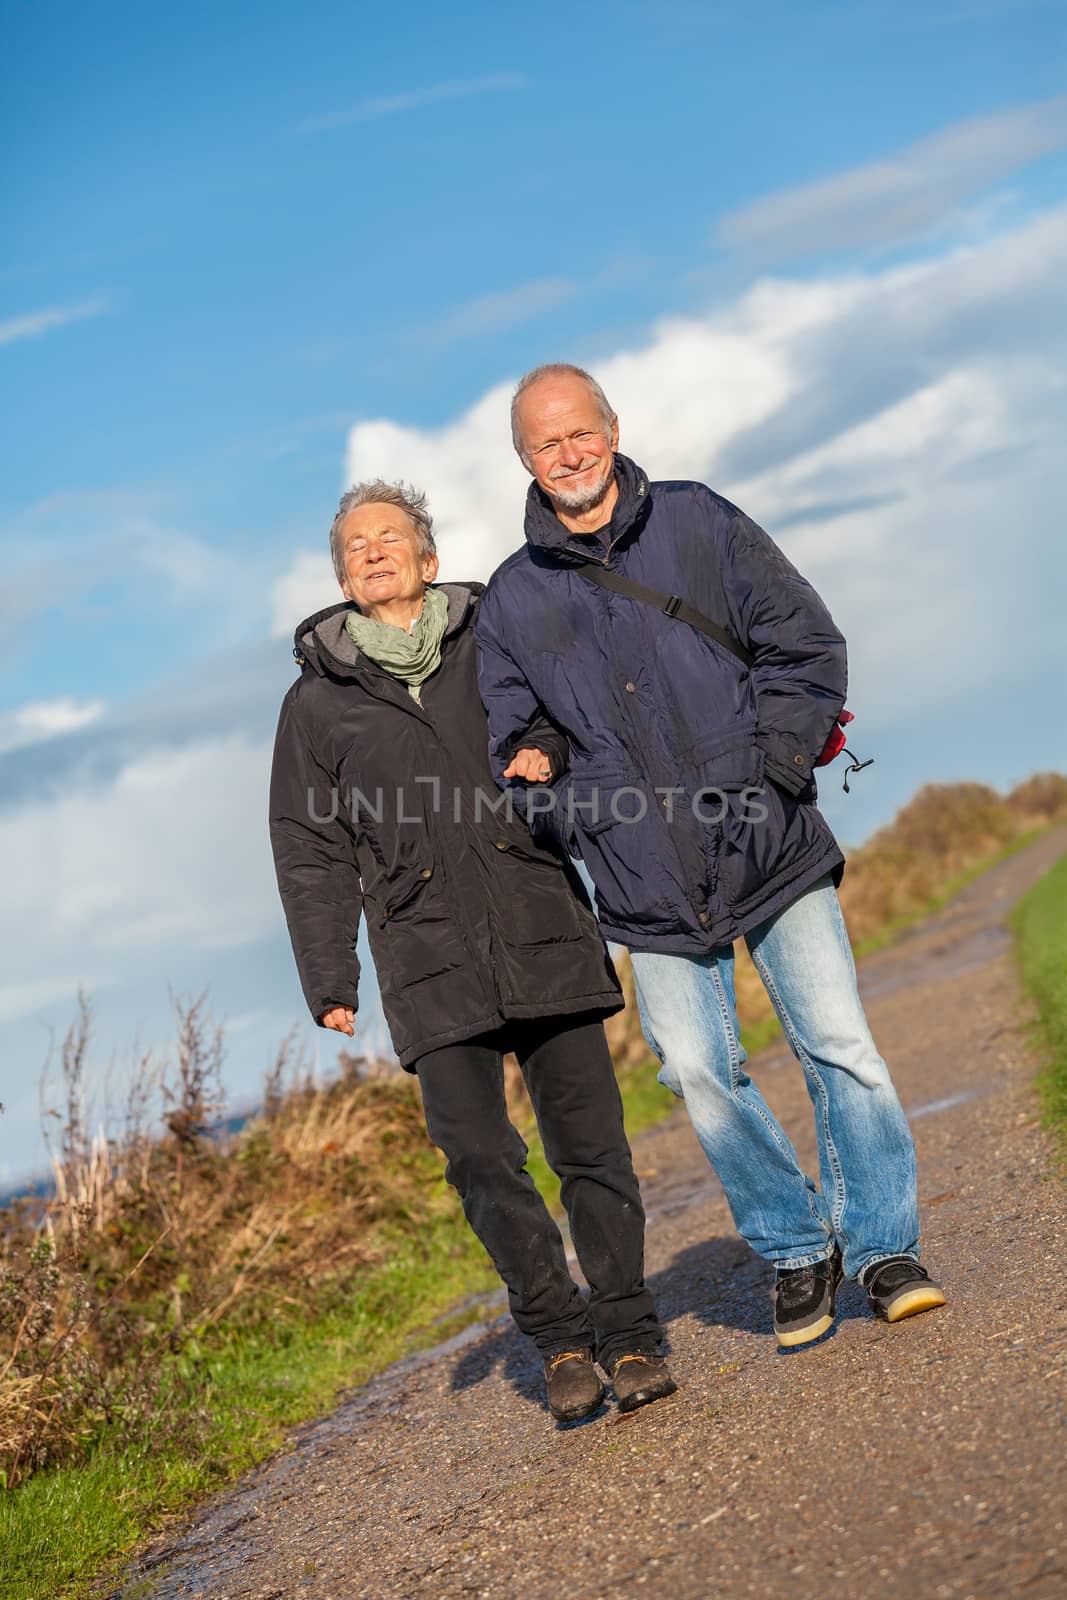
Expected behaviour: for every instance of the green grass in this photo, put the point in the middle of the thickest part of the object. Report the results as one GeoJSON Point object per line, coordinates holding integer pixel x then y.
{"type": "Point", "coordinates": [59, 1529]}
{"type": "Point", "coordinates": [1040, 922]}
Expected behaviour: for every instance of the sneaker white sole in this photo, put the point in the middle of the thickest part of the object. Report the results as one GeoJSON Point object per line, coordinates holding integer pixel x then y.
{"type": "Point", "coordinates": [814, 1330]}
{"type": "Point", "coordinates": [912, 1301]}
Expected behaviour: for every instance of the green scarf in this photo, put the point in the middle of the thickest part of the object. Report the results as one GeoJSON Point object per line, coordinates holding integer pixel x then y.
{"type": "Point", "coordinates": [411, 657]}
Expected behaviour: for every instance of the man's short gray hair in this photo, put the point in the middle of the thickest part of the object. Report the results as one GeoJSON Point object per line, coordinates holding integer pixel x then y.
{"type": "Point", "coordinates": [556, 369]}
{"type": "Point", "coordinates": [375, 491]}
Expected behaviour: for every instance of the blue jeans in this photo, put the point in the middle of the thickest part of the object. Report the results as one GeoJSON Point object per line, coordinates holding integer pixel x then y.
{"type": "Point", "coordinates": [868, 1200]}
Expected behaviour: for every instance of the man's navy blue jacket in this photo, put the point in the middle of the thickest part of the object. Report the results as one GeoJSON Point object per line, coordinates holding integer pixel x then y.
{"type": "Point", "coordinates": [668, 733]}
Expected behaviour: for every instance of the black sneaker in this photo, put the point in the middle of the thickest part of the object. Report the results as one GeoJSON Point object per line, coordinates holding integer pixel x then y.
{"type": "Point", "coordinates": [898, 1287]}
{"type": "Point", "coordinates": [804, 1300]}
{"type": "Point", "coordinates": [640, 1378]}
{"type": "Point", "coordinates": [574, 1386]}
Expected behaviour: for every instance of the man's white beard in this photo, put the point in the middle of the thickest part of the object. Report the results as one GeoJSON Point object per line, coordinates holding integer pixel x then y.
{"type": "Point", "coordinates": [578, 501]}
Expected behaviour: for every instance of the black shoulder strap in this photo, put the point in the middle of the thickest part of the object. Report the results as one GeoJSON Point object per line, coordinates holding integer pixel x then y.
{"type": "Point", "coordinates": [670, 604]}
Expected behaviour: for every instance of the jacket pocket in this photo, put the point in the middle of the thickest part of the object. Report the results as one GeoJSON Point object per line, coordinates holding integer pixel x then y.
{"type": "Point", "coordinates": [730, 760]}
{"type": "Point", "coordinates": [763, 835]}
{"type": "Point", "coordinates": [403, 890]}
{"type": "Point", "coordinates": [623, 841]}
{"type": "Point", "coordinates": [413, 934]}
{"type": "Point", "coordinates": [595, 801]}
{"type": "Point", "coordinates": [538, 905]}
{"type": "Point", "coordinates": [726, 776]}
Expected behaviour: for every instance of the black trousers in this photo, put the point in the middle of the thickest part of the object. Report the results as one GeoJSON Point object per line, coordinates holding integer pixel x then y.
{"type": "Point", "coordinates": [571, 1080]}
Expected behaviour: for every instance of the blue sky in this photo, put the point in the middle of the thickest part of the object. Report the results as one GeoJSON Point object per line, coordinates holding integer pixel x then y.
{"type": "Point", "coordinates": [818, 251]}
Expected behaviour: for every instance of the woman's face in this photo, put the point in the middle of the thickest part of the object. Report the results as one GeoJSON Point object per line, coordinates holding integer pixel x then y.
{"type": "Point", "coordinates": [383, 567]}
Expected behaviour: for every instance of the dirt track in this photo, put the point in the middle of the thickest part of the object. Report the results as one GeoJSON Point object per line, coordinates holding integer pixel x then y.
{"type": "Point", "coordinates": [921, 1460]}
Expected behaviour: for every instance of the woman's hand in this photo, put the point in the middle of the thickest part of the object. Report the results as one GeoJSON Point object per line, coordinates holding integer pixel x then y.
{"type": "Point", "coordinates": [340, 1018]}
{"type": "Point", "coordinates": [532, 765]}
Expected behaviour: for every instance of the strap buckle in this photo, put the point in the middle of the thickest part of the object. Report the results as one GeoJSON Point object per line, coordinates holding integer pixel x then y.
{"type": "Point", "coordinates": [673, 604]}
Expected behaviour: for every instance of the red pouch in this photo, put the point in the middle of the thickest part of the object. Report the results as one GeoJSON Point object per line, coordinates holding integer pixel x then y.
{"type": "Point", "coordinates": [836, 743]}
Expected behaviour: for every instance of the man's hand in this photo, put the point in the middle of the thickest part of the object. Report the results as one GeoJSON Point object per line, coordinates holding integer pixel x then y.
{"type": "Point", "coordinates": [530, 764]}
{"type": "Point", "coordinates": [340, 1019]}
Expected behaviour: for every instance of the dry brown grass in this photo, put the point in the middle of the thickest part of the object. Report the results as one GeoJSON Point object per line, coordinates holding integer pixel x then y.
{"type": "Point", "coordinates": [943, 833]}
{"type": "Point", "coordinates": [148, 1244]}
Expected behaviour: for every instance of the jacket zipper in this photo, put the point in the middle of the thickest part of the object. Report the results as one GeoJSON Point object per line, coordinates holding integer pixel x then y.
{"type": "Point", "coordinates": [455, 899]}
{"type": "Point", "coordinates": [699, 907]}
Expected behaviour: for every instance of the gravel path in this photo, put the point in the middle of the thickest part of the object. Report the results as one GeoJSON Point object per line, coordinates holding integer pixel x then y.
{"type": "Point", "coordinates": [922, 1460]}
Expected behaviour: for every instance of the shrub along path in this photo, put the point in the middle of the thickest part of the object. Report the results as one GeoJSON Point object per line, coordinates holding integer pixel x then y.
{"type": "Point", "coordinates": [922, 1459]}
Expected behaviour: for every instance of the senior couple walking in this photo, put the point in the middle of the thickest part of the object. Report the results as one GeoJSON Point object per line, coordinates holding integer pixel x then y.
{"type": "Point", "coordinates": [449, 748]}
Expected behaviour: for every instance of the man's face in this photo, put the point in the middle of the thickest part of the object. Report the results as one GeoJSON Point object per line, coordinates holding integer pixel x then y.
{"type": "Point", "coordinates": [567, 446]}
{"type": "Point", "coordinates": [380, 549]}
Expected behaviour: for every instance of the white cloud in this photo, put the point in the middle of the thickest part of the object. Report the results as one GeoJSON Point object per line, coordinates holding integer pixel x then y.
{"type": "Point", "coordinates": [308, 586]}
{"type": "Point", "coordinates": [510, 308]}
{"type": "Point", "coordinates": [885, 201]}
{"type": "Point", "coordinates": [47, 719]}
{"type": "Point", "coordinates": [119, 544]}
{"type": "Point", "coordinates": [34, 323]}
{"type": "Point", "coordinates": [898, 428]}
{"type": "Point", "coordinates": [412, 100]}
{"type": "Point", "coordinates": [911, 573]}
{"type": "Point", "coordinates": [53, 993]}
{"type": "Point", "coordinates": [507, 308]}
{"type": "Point", "coordinates": [157, 874]}
{"type": "Point", "coordinates": [188, 566]}
{"type": "Point", "coordinates": [159, 853]}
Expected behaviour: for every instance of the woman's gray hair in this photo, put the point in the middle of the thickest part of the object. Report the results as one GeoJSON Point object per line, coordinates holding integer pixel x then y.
{"type": "Point", "coordinates": [412, 502]}
{"type": "Point", "coordinates": [556, 369]}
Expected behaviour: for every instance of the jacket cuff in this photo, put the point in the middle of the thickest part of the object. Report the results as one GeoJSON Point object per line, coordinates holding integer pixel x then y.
{"type": "Point", "coordinates": [552, 743]}
{"type": "Point", "coordinates": [785, 763]}
{"type": "Point", "coordinates": [330, 1005]}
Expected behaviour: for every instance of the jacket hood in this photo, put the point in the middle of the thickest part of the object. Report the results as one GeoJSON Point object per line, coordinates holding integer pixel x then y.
{"type": "Point", "coordinates": [323, 642]}
{"type": "Point", "coordinates": [545, 531]}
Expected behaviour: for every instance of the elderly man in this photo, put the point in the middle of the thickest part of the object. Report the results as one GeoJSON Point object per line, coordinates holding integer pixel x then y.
{"type": "Point", "coordinates": [382, 802]}
{"type": "Point", "coordinates": [698, 678]}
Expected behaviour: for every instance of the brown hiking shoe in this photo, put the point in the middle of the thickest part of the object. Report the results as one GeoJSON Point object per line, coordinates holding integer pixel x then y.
{"type": "Point", "coordinates": [640, 1378]}
{"type": "Point", "coordinates": [574, 1387]}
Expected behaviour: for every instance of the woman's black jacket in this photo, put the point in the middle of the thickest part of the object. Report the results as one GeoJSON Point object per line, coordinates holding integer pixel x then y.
{"type": "Point", "coordinates": [381, 805]}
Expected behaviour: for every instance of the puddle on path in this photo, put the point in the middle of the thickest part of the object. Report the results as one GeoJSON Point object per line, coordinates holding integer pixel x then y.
{"type": "Point", "coordinates": [932, 1107]}
{"type": "Point", "coordinates": [900, 968]}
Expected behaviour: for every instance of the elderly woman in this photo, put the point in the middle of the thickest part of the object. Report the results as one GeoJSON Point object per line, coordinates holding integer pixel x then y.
{"type": "Point", "coordinates": [382, 800]}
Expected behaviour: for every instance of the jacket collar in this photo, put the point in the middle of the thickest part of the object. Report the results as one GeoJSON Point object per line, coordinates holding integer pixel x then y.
{"type": "Point", "coordinates": [545, 531]}
{"type": "Point", "coordinates": [323, 642]}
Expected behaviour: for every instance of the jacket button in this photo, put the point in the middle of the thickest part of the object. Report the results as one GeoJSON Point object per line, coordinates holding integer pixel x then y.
{"type": "Point", "coordinates": [427, 872]}
{"type": "Point", "coordinates": [801, 761]}
{"type": "Point", "coordinates": [631, 688]}
{"type": "Point", "coordinates": [501, 844]}
{"type": "Point", "coordinates": [704, 918]}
